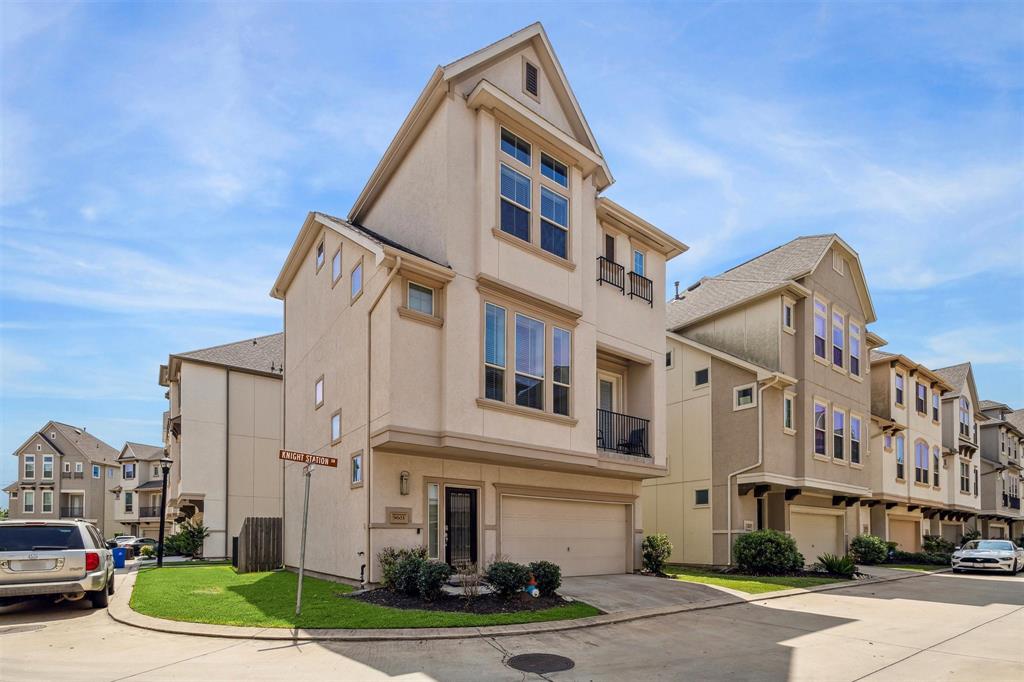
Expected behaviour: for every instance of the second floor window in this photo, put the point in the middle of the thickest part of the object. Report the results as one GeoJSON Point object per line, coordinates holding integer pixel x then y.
{"type": "Point", "coordinates": [47, 466]}
{"type": "Point", "coordinates": [421, 298]}
{"type": "Point", "coordinates": [529, 362]}
{"type": "Point", "coordinates": [975, 481]}
{"type": "Point", "coordinates": [357, 280]}
{"type": "Point", "coordinates": [128, 471]}
{"type": "Point", "coordinates": [30, 467]}
{"type": "Point", "coordinates": [820, 425]}
{"type": "Point", "coordinates": [787, 412]}
{"type": "Point", "coordinates": [336, 265]}
{"type": "Point", "coordinates": [820, 316]}
{"type": "Point", "coordinates": [935, 466]}
{"type": "Point", "coordinates": [129, 503]}
{"type": "Point", "coordinates": [965, 478]}
{"type": "Point", "coordinates": [921, 399]}
{"type": "Point", "coordinates": [921, 462]}
{"type": "Point", "coordinates": [901, 457]}
{"type": "Point", "coordinates": [494, 352]}
{"type": "Point", "coordinates": [561, 371]}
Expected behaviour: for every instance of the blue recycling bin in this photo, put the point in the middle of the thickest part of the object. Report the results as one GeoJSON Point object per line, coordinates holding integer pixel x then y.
{"type": "Point", "coordinates": [119, 556]}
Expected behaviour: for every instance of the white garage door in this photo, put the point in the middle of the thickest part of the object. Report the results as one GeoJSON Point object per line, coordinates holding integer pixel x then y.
{"type": "Point", "coordinates": [816, 534]}
{"type": "Point", "coordinates": [906, 533]}
{"type": "Point", "coordinates": [584, 538]}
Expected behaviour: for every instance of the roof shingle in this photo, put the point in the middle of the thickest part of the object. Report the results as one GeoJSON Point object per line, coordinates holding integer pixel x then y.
{"type": "Point", "coordinates": [954, 375]}
{"type": "Point", "coordinates": [89, 445]}
{"type": "Point", "coordinates": [262, 354]}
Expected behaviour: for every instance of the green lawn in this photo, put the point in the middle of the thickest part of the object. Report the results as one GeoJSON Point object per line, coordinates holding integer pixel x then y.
{"type": "Point", "coordinates": [750, 584]}
{"type": "Point", "coordinates": [924, 568]}
{"type": "Point", "coordinates": [216, 594]}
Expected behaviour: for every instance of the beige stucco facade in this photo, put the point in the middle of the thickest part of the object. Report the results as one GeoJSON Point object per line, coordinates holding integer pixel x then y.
{"type": "Point", "coordinates": [526, 470]}
{"type": "Point", "coordinates": [1002, 474]}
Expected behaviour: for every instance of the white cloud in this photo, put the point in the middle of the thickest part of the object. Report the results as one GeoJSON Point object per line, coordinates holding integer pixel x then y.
{"type": "Point", "coordinates": [982, 344]}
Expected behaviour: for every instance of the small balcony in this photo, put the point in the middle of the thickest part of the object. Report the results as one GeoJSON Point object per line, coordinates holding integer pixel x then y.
{"type": "Point", "coordinates": [610, 272]}
{"type": "Point", "coordinates": [642, 288]}
{"type": "Point", "coordinates": [72, 474]}
{"type": "Point", "coordinates": [623, 433]}
{"type": "Point", "coordinates": [149, 512]}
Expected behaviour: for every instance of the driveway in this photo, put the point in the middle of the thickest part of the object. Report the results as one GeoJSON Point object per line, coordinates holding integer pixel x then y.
{"type": "Point", "coordinates": [630, 592]}
{"type": "Point", "coordinates": [934, 627]}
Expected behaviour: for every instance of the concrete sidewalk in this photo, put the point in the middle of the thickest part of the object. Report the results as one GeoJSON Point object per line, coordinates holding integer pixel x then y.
{"type": "Point", "coordinates": [121, 612]}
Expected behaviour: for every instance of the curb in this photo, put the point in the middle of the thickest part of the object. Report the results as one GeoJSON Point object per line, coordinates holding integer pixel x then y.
{"type": "Point", "coordinates": [121, 611]}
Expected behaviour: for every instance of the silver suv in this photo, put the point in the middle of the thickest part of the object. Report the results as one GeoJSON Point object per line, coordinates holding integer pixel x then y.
{"type": "Point", "coordinates": [68, 560]}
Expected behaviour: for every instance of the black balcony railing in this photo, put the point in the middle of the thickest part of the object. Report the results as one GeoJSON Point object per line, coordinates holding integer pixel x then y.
{"type": "Point", "coordinates": [72, 512]}
{"type": "Point", "coordinates": [641, 287]}
{"type": "Point", "coordinates": [623, 433]}
{"type": "Point", "coordinates": [149, 512]}
{"type": "Point", "coordinates": [611, 272]}
{"type": "Point", "coordinates": [76, 474]}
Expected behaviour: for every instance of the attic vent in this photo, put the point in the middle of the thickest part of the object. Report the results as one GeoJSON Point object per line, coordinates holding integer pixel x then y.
{"type": "Point", "coordinates": [530, 79]}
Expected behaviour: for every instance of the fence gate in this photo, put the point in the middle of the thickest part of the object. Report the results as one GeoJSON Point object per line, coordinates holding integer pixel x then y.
{"type": "Point", "coordinates": [260, 544]}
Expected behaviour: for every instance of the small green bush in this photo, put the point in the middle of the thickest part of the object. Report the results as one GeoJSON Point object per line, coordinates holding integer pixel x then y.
{"type": "Point", "coordinates": [147, 551]}
{"type": "Point", "coordinates": [389, 558]}
{"type": "Point", "coordinates": [432, 576]}
{"type": "Point", "coordinates": [507, 577]}
{"type": "Point", "coordinates": [868, 549]}
{"type": "Point", "coordinates": [407, 574]}
{"type": "Point", "coordinates": [837, 565]}
{"type": "Point", "coordinates": [656, 550]}
{"type": "Point", "coordinates": [936, 544]}
{"type": "Point", "coordinates": [767, 552]}
{"type": "Point", "coordinates": [920, 558]}
{"type": "Point", "coordinates": [188, 541]}
{"type": "Point", "coordinates": [548, 577]}
{"type": "Point", "coordinates": [972, 534]}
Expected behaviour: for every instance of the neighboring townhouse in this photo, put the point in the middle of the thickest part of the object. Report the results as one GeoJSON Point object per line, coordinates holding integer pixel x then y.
{"type": "Point", "coordinates": [1002, 454]}
{"type": "Point", "coordinates": [64, 473]}
{"type": "Point", "coordinates": [480, 343]}
{"type": "Point", "coordinates": [911, 476]}
{"type": "Point", "coordinates": [960, 440]}
{"type": "Point", "coordinates": [769, 404]}
{"type": "Point", "coordinates": [223, 432]}
{"type": "Point", "coordinates": [137, 495]}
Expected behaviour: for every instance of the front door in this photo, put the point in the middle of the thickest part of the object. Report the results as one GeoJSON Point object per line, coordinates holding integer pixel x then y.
{"type": "Point", "coordinates": [460, 526]}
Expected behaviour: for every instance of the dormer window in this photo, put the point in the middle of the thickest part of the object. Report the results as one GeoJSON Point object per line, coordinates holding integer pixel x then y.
{"type": "Point", "coordinates": [531, 79]}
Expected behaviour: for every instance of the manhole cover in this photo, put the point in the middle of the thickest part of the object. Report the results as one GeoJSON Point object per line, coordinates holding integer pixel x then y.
{"type": "Point", "coordinates": [541, 663]}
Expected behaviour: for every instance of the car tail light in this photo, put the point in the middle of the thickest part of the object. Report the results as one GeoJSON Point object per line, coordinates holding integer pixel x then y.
{"type": "Point", "coordinates": [92, 561]}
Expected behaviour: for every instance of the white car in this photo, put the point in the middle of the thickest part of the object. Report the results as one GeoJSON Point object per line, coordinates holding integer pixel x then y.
{"type": "Point", "coordinates": [988, 555]}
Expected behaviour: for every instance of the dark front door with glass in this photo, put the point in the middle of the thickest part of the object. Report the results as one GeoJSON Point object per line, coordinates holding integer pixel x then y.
{"type": "Point", "coordinates": [460, 526]}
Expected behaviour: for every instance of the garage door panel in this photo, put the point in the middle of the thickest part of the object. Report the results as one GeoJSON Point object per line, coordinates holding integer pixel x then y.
{"type": "Point", "coordinates": [583, 538]}
{"type": "Point", "coordinates": [907, 533]}
{"type": "Point", "coordinates": [816, 534]}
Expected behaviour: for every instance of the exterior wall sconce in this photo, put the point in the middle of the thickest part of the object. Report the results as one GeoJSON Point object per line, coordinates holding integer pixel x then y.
{"type": "Point", "coordinates": [403, 483]}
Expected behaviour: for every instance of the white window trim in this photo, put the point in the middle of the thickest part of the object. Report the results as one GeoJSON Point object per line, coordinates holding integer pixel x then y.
{"type": "Point", "coordinates": [335, 440]}
{"type": "Point", "coordinates": [790, 397]}
{"type": "Point", "coordinates": [353, 482]}
{"type": "Point", "coordinates": [895, 395]}
{"type": "Point", "coordinates": [701, 506]}
{"type": "Point", "coordinates": [643, 257]}
{"type": "Point", "coordinates": [79, 468]}
{"type": "Point", "coordinates": [896, 450]}
{"type": "Point", "coordinates": [670, 359]}
{"type": "Point", "coordinates": [321, 248]}
{"type": "Point", "coordinates": [67, 467]}
{"type": "Point", "coordinates": [787, 302]}
{"type": "Point", "coordinates": [861, 367]}
{"type": "Point", "coordinates": [97, 471]}
{"type": "Point", "coordinates": [28, 495]}
{"type": "Point", "coordinates": [844, 368]}
{"type": "Point", "coordinates": [42, 502]}
{"type": "Point", "coordinates": [846, 434]}
{"type": "Point", "coordinates": [705, 385]}
{"type": "Point", "coordinates": [736, 407]}
{"type": "Point", "coordinates": [850, 416]}
{"type": "Point", "coordinates": [540, 166]}
{"type": "Point", "coordinates": [335, 278]}
{"type": "Point", "coordinates": [48, 458]}
{"type": "Point", "coordinates": [827, 360]}
{"type": "Point", "coordinates": [318, 387]}
{"type": "Point", "coordinates": [433, 297]}
{"type": "Point", "coordinates": [821, 402]}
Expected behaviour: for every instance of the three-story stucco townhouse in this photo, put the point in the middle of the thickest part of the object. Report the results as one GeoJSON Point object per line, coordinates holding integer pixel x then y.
{"type": "Point", "coordinates": [64, 472]}
{"type": "Point", "coordinates": [1016, 418]}
{"type": "Point", "coordinates": [223, 432]}
{"type": "Point", "coordinates": [910, 474]}
{"type": "Point", "coordinates": [768, 404]}
{"type": "Point", "coordinates": [1002, 447]}
{"type": "Point", "coordinates": [137, 494]}
{"type": "Point", "coordinates": [480, 342]}
{"type": "Point", "coordinates": [960, 443]}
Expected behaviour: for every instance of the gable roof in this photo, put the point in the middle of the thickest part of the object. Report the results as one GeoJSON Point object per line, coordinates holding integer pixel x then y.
{"type": "Point", "coordinates": [141, 451]}
{"type": "Point", "coordinates": [955, 375]}
{"type": "Point", "coordinates": [262, 355]}
{"type": "Point", "coordinates": [88, 445]}
{"type": "Point", "coordinates": [1016, 418]}
{"type": "Point", "coordinates": [437, 88]}
{"type": "Point", "coordinates": [771, 272]}
{"type": "Point", "coordinates": [992, 405]}
{"type": "Point", "coordinates": [879, 357]}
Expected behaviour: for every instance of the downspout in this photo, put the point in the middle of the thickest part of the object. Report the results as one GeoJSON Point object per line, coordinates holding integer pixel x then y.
{"type": "Point", "coordinates": [772, 381]}
{"type": "Point", "coordinates": [367, 557]}
{"type": "Point", "coordinates": [227, 464]}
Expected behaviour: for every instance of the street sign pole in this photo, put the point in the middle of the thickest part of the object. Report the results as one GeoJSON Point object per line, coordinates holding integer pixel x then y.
{"type": "Point", "coordinates": [307, 471]}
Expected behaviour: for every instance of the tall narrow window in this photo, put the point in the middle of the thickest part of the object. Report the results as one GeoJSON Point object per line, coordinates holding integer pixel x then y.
{"type": "Point", "coordinates": [899, 389]}
{"type": "Point", "coordinates": [129, 503]}
{"type": "Point", "coordinates": [28, 502]}
{"type": "Point", "coordinates": [96, 473]}
{"type": "Point", "coordinates": [855, 349]}
{"type": "Point", "coordinates": [921, 399]}
{"type": "Point", "coordinates": [320, 255]}
{"type": "Point", "coordinates": [529, 362]}
{"type": "Point", "coordinates": [921, 462]}
{"type": "Point", "coordinates": [820, 316]}
{"type": "Point", "coordinates": [935, 466]}
{"type": "Point", "coordinates": [48, 466]}
{"type": "Point", "coordinates": [820, 425]}
{"type": "Point", "coordinates": [965, 478]}
{"type": "Point", "coordinates": [433, 520]}
{"type": "Point", "coordinates": [494, 352]}
{"type": "Point", "coordinates": [975, 481]}
{"type": "Point", "coordinates": [838, 433]}
{"type": "Point", "coordinates": [900, 457]}
{"type": "Point", "coordinates": [335, 427]}
{"type": "Point", "coordinates": [554, 222]}
{"type": "Point", "coordinates": [554, 170]}
{"type": "Point", "coordinates": [336, 266]}
{"type": "Point", "coordinates": [965, 418]}
{"type": "Point", "coordinates": [561, 371]}
{"type": "Point", "coordinates": [357, 280]}
{"type": "Point", "coordinates": [609, 247]}
{"type": "Point", "coordinates": [787, 412]}
{"type": "Point", "coordinates": [935, 407]}
{"type": "Point", "coordinates": [515, 203]}
{"type": "Point", "coordinates": [318, 392]}
{"type": "Point", "coordinates": [854, 439]}
{"type": "Point", "coordinates": [47, 502]}
{"type": "Point", "coordinates": [357, 469]}
{"type": "Point", "coordinates": [838, 338]}
{"type": "Point", "coordinates": [639, 263]}
{"type": "Point", "coordinates": [788, 319]}
{"type": "Point", "coordinates": [30, 466]}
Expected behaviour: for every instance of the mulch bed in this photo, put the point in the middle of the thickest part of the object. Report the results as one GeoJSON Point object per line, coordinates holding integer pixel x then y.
{"type": "Point", "coordinates": [486, 603]}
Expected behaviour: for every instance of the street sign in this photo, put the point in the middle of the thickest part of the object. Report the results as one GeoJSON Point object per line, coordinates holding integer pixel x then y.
{"type": "Point", "coordinates": [306, 458]}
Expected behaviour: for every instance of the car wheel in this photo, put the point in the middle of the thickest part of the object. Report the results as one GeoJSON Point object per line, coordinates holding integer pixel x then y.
{"type": "Point", "coordinates": [110, 585]}
{"type": "Point", "coordinates": [99, 599]}
{"type": "Point", "coordinates": [958, 570]}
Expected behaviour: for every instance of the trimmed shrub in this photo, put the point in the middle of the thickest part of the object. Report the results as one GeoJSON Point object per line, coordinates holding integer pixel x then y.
{"type": "Point", "coordinates": [507, 577]}
{"type": "Point", "coordinates": [188, 541]}
{"type": "Point", "coordinates": [972, 534]}
{"type": "Point", "coordinates": [868, 549]}
{"type": "Point", "coordinates": [656, 550]}
{"type": "Point", "coordinates": [147, 551]}
{"type": "Point", "coordinates": [767, 552]}
{"type": "Point", "coordinates": [837, 565]}
{"type": "Point", "coordinates": [407, 574]}
{"type": "Point", "coordinates": [433, 574]}
{"type": "Point", "coordinates": [936, 544]}
{"type": "Point", "coordinates": [389, 558]}
{"type": "Point", "coordinates": [548, 577]}
{"type": "Point", "coordinates": [899, 557]}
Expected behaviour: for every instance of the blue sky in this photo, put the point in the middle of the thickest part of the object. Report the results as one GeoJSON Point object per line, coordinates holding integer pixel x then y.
{"type": "Point", "coordinates": [158, 159]}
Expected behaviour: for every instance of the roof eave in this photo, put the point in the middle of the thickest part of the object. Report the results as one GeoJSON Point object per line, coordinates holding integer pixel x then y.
{"type": "Point", "coordinates": [665, 243]}
{"type": "Point", "coordinates": [790, 286]}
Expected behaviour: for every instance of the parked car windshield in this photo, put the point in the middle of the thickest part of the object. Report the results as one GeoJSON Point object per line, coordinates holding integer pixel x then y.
{"type": "Point", "coordinates": [39, 538]}
{"type": "Point", "coordinates": [989, 544]}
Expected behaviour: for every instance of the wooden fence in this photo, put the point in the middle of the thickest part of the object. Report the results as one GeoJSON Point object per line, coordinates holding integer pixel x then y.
{"type": "Point", "coordinates": [260, 544]}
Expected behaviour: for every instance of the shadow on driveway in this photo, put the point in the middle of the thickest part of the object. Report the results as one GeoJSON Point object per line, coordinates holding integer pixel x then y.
{"type": "Point", "coordinates": [629, 592]}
